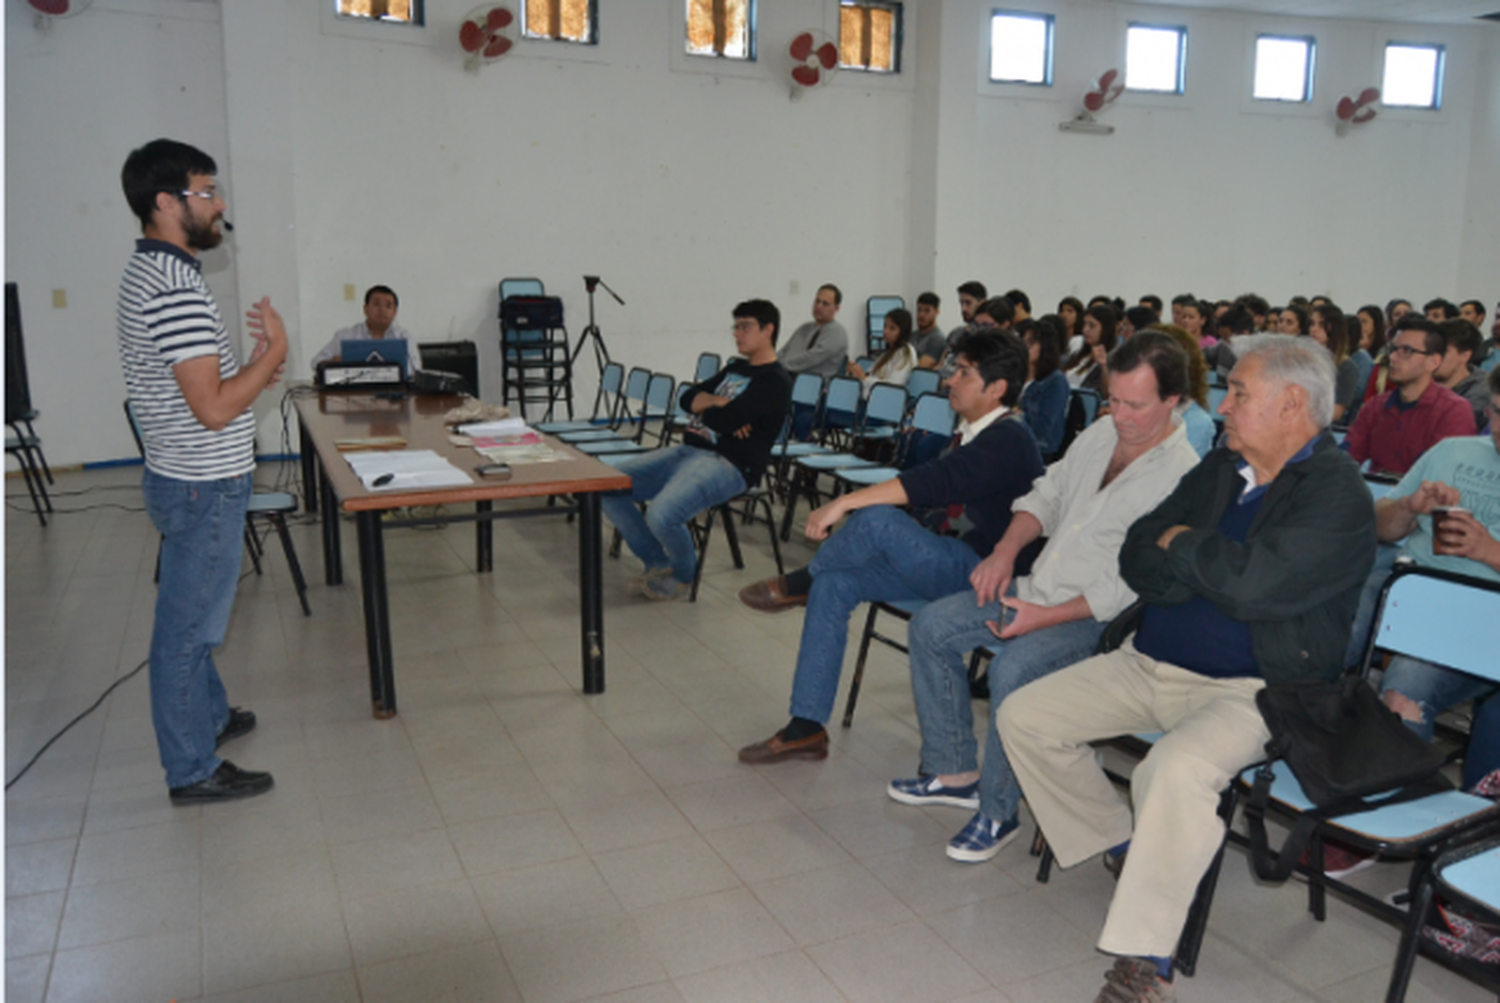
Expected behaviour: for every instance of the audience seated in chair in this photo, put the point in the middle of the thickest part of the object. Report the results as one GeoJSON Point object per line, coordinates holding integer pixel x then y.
{"type": "Point", "coordinates": [738, 413]}
{"type": "Point", "coordinates": [1118, 470]}
{"type": "Point", "coordinates": [821, 346]}
{"type": "Point", "coordinates": [1251, 571]}
{"type": "Point", "coordinates": [885, 554]}
{"type": "Point", "coordinates": [1044, 401]}
{"type": "Point", "coordinates": [896, 362]}
{"type": "Point", "coordinates": [928, 339]}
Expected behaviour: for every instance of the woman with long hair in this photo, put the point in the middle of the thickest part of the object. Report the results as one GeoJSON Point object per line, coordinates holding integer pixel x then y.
{"type": "Point", "coordinates": [1293, 319]}
{"type": "Point", "coordinates": [1197, 321]}
{"type": "Point", "coordinates": [1087, 367]}
{"type": "Point", "coordinates": [1198, 423]}
{"type": "Point", "coordinates": [896, 363]}
{"type": "Point", "coordinates": [1070, 313]}
{"type": "Point", "coordinates": [1326, 326]}
{"type": "Point", "coordinates": [1044, 399]}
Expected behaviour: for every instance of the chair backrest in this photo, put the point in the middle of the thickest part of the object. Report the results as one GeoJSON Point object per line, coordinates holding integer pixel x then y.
{"type": "Point", "coordinates": [886, 406]}
{"type": "Point", "coordinates": [521, 287]}
{"type": "Point", "coordinates": [843, 395]}
{"type": "Point", "coordinates": [1089, 399]}
{"type": "Point", "coordinates": [1440, 617]}
{"type": "Point", "coordinates": [659, 394]}
{"type": "Point", "coordinates": [633, 401]}
{"type": "Point", "coordinates": [876, 307]}
{"type": "Point", "coordinates": [807, 388]}
{"type": "Point", "coordinates": [866, 363]}
{"type": "Point", "coordinates": [708, 364]}
{"type": "Point", "coordinates": [17, 383]}
{"type": "Point", "coordinates": [607, 400]}
{"type": "Point", "coordinates": [934, 414]}
{"type": "Point", "coordinates": [923, 381]}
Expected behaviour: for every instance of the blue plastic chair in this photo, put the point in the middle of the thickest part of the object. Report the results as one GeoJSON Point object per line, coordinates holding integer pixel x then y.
{"type": "Point", "coordinates": [605, 403]}
{"type": "Point", "coordinates": [708, 365]}
{"type": "Point", "coordinates": [636, 385]}
{"type": "Point", "coordinates": [932, 415]}
{"type": "Point", "coordinates": [1467, 877]}
{"type": "Point", "coordinates": [923, 381]}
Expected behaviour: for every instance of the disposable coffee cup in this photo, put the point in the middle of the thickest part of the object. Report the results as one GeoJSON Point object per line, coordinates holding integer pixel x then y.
{"type": "Point", "coordinates": [1440, 516]}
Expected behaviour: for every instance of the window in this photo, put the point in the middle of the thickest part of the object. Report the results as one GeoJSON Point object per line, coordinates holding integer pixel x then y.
{"type": "Point", "coordinates": [561, 20]}
{"type": "Point", "coordinates": [1413, 76]}
{"type": "Point", "coordinates": [870, 36]}
{"type": "Point", "coordinates": [722, 28]}
{"type": "Point", "coordinates": [1284, 68]}
{"type": "Point", "coordinates": [1021, 48]}
{"type": "Point", "coordinates": [400, 11]}
{"type": "Point", "coordinates": [1155, 58]}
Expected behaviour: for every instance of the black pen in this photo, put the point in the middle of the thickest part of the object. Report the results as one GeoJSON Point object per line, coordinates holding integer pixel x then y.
{"type": "Point", "coordinates": [382, 480]}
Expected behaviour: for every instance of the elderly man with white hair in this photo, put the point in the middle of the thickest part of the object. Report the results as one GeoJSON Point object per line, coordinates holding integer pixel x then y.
{"type": "Point", "coordinates": [1250, 571]}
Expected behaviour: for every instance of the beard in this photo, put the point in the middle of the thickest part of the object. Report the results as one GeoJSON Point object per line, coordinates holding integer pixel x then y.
{"type": "Point", "coordinates": [202, 236]}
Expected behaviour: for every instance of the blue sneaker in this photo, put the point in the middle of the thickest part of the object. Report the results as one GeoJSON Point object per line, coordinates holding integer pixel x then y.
{"type": "Point", "coordinates": [982, 838]}
{"type": "Point", "coordinates": [927, 790]}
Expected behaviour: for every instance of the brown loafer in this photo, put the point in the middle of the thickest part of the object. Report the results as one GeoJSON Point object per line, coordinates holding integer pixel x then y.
{"type": "Point", "coordinates": [770, 596]}
{"type": "Point", "coordinates": [775, 749]}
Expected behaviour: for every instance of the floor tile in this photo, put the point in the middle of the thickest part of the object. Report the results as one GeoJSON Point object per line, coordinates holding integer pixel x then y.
{"type": "Point", "coordinates": [902, 964]}
{"type": "Point", "coordinates": [544, 962]}
{"type": "Point", "coordinates": [831, 903]}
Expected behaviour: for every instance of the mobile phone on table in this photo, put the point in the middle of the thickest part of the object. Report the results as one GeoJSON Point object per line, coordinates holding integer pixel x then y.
{"type": "Point", "coordinates": [500, 470]}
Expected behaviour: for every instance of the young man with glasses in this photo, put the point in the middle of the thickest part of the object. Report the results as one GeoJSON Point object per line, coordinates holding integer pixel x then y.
{"type": "Point", "coordinates": [191, 400]}
{"type": "Point", "coordinates": [1394, 430]}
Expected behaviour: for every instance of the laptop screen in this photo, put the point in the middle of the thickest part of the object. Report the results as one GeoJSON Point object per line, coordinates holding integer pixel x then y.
{"type": "Point", "coordinates": [391, 350]}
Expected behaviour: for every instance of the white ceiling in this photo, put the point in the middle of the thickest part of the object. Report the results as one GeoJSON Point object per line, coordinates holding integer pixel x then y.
{"type": "Point", "coordinates": [1410, 11]}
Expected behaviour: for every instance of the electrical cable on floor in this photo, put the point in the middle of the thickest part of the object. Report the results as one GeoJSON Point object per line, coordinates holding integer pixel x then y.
{"type": "Point", "coordinates": [13, 502]}
{"type": "Point", "coordinates": [93, 707]}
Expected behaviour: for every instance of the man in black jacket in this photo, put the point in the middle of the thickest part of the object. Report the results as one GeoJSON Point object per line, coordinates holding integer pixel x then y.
{"type": "Point", "coordinates": [1251, 571]}
{"type": "Point", "coordinates": [737, 414]}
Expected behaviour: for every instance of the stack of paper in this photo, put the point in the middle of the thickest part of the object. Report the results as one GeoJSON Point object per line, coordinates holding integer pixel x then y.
{"type": "Point", "coordinates": [408, 470]}
{"type": "Point", "coordinates": [503, 428]}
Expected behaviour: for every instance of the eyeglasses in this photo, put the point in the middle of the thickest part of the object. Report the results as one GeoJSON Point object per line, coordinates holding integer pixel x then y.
{"type": "Point", "coordinates": [1408, 351]}
{"type": "Point", "coordinates": [211, 194]}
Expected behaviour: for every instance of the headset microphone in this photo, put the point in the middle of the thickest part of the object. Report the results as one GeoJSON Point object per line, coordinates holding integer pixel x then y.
{"type": "Point", "coordinates": [227, 225]}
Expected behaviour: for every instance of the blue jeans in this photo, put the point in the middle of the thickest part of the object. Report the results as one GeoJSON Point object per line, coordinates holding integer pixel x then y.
{"type": "Point", "coordinates": [678, 483]}
{"type": "Point", "coordinates": [1434, 689]}
{"type": "Point", "coordinates": [882, 554]}
{"type": "Point", "coordinates": [202, 524]}
{"type": "Point", "coordinates": [940, 638]}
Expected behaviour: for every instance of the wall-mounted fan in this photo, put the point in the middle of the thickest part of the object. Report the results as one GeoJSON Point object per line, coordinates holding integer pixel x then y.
{"type": "Point", "coordinates": [815, 61]}
{"type": "Point", "coordinates": [1100, 95]}
{"type": "Point", "coordinates": [1356, 111]}
{"type": "Point", "coordinates": [46, 10]}
{"type": "Point", "coordinates": [486, 34]}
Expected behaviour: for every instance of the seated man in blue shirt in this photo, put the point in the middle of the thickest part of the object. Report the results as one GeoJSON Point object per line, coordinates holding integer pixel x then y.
{"type": "Point", "coordinates": [886, 554]}
{"type": "Point", "coordinates": [1251, 571]}
{"type": "Point", "coordinates": [380, 324]}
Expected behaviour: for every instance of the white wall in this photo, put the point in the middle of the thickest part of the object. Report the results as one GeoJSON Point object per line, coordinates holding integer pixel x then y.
{"type": "Point", "coordinates": [364, 154]}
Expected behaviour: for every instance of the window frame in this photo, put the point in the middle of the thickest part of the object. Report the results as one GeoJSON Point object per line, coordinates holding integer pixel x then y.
{"type": "Point", "coordinates": [1050, 20]}
{"type": "Point", "coordinates": [1182, 58]}
{"type": "Point", "coordinates": [898, 35]}
{"type": "Point", "coordinates": [1439, 75]}
{"type": "Point", "coordinates": [417, 20]}
{"type": "Point", "coordinates": [593, 19]}
{"type": "Point", "coordinates": [1309, 67]}
{"type": "Point", "coordinates": [752, 41]}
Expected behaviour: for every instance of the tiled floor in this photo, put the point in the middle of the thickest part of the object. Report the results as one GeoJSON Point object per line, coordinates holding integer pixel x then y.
{"type": "Point", "coordinates": [506, 838]}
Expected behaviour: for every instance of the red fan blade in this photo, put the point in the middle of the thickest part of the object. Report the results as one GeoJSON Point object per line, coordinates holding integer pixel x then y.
{"type": "Point", "coordinates": [806, 76]}
{"type": "Point", "coordinates": [1364, 116]}
{"type": "Point", "coordinates": [802, 46]}
{"type": "Point", "coordinates": [1107, 78]}
{"type": "Point", "coordinates": [1093, 100]}
{"type": "Point", "coordinates": [470, 36]}
{"type": "Point", "coordinates": [1345, 110]}
{"type": "Point", "coordinates": [499, 47]}
{"type": "Point", "coordinates": [1369, 95]}
{"type": "Point", "coordinates": [52, 7]}
{"type": "Point", "coordinates": [828, 55]}
{"type": "Point", "coordinates": [1114, 92]}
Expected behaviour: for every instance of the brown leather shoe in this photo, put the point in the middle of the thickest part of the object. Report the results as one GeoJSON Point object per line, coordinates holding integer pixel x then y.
{"type": "Point", "coordinates": [770, 596]}
{"type": "Point", "coordinates": [775, 749]}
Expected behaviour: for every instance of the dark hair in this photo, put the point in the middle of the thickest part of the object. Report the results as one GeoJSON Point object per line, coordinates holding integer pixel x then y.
{"type": "Point", "coordinates": [1197, 362]}
{"type": "Point", "coordinates": [1478, 306]}
{"type": "Point", "coordinates": [1377, 320]}
{"type": "Point", "coordinates": [763, 312]}
{"type": "Point", "coordinates": [1141, 317]}
{"type": "Point", "coordinates": [1048, 334]}
{"type": "Point", "coordinates": [901, 317]}
{"type": "Point", "coordinates": [1352, 333]}
{"type": "Point", "coordinates": [1077, 325]}
{"type": "Point", "coordinates": [1299, 301]}
{"type": "Point", "coordinates": [1433, 341]}
{"type": "Point", "coordinates": [1020, 299]}
{"type": "Point", "coordinates": [1153, 301]}
{"type": "Point", "coordinates": [1494, 382]}
{"type": "Point", "coordinates": [1238, 320]}
{"type": "Point", "coordinates": [1391, 305]}
{"type": "Point", "coordinates": [838, 294]}
{"type": "Point", "coordinates": [1161, 352]}
{"type": "Point", "coordinates": [1449, 310]}
{"type": "Point", "coordinates": [1183, 299]}
{"type": "Point", "coordinates": [1299, 313]}
{"type": "Point", "coordinates": [1334, 330]}
{"type": "Point", "coordinates": [1254, 303]}
{"type": "Point", "coordinates": [1100, 298]}
{"type": "Point", "coordinates": [998, 310]}
{"type": "Point", "coordinates": [929, 299]}
{"type": "Point", "coordinates": [997, 355]}
{"type": "Point", "coordinates": [382, 289]}
{"type": "Point", "coordinates": [162, 165]}
{"type": "Point", "coordinates": [1461, 335]}
{"type": "Point", "coordinates": [1319, 300]}
{"type": "Point", "coordinates": [975, 289]}
{"type": "Point", "coordinates": [1108, 321]}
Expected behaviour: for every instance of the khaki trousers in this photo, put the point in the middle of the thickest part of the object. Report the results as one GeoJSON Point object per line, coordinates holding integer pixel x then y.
{"type": "Point", "coordinates": [1213, 731]}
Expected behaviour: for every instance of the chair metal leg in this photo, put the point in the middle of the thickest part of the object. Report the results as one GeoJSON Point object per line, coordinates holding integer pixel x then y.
{"type": "Point", "coordinates": [34, 486]}
{"type": "Point", "coordinates": [295, 565]}
{"type": "Point", "coordinates": [771, 525]}
{"type": "Point", "coordinates": [41, 457]}
{"type": "Point", "coordinates": [859, 664]}
{"type": "Point", "coordinates": [703, 533]}
{"type": "Point", "coordinates": [1196, 924]}
{"type": "Point", "coordinates": [1044, 867]}
{"type": "Point", "coordinates": [1422, 892]}
{"type": "Point", "coordinates": [733, 536]}
{"type": "Point", "coordinates": [252, 545]}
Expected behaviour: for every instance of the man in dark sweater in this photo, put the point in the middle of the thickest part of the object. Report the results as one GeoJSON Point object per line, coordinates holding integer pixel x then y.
{"type": "Point", "coordinates": [1251, 571]}
{"type": "Point", "coordinates": [886, 554]}
{"type": "Point", "coordinates": [737, 415]}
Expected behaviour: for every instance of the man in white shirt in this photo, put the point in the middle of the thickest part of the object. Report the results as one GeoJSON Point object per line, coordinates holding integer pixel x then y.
{"type": "Point", "coordinates": [380, 325]}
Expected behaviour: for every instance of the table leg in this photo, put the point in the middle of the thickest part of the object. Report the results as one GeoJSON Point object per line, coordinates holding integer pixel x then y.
{"type": "Point", "coordinates": [309, 470]}
{"type": "Point", "coordinates": [377, 613]}
{"type": "Point", "coordinates": [333, 548]}
{"type": "Point", "coordinates": [590, 588]}
{"type": "Point", "coordinates": [484, 536]}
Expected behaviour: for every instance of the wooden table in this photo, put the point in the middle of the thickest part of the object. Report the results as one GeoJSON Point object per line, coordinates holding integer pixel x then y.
{"type": "Point", "coordinates": [326, 416]}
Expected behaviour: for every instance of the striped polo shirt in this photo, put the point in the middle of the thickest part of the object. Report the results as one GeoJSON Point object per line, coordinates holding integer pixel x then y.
{"type": "Point", "coordinates": [166, 315]}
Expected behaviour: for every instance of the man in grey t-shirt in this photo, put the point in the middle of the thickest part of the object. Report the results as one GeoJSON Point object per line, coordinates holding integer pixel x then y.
{"type": "Point", "coordinates": [821, 346]}
{"type": "Point", "coordinates": [929, 340]}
